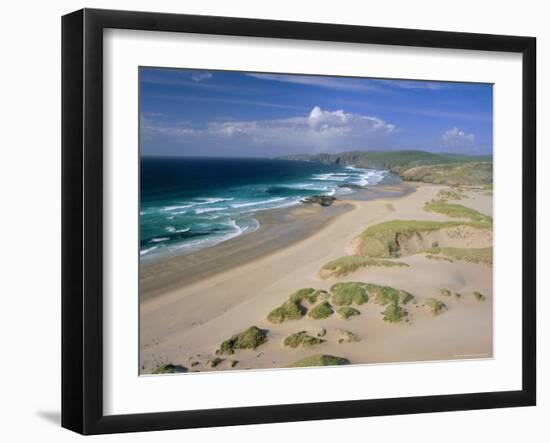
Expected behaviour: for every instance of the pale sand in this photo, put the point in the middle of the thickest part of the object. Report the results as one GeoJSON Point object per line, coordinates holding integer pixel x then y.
{"type": "Point", "coordinates": [188, 322]}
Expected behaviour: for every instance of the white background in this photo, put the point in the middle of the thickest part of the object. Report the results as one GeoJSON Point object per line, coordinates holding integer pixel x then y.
{"type": "Point", "coordinates": [30, 184]}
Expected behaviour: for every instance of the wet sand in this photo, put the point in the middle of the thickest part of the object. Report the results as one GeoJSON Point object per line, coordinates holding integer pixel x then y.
{"type": "Point", "coordinates": [189, 316]}
{"type": "Point", "coordinates": [278, 229]}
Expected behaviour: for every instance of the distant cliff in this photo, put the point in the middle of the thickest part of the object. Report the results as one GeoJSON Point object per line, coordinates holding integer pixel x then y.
{"type": "Point", "coordinates": [429, 167]}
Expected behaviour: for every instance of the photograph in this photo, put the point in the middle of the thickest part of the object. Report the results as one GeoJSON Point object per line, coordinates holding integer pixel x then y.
{"type": "Point", "coordinates": [293, 220]}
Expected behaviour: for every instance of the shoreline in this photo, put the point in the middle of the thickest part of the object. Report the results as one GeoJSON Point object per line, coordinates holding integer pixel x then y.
{"type": "Point", "coordinates": [186, 325]}
{"type": "Point", "coordinates": [278, 228]}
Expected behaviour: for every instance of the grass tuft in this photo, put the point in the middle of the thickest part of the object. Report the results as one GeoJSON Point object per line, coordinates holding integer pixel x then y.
{"type": "Point", "coordinates": [348, 293]}
{"type": "Point", "coordinates": [347, 336]}
{"type": "Point", "coordinates": [394, 313]}
{"type": "Point", "coordinates": [347, 311]}
{"type": "Point", "coordinates": [248, 339]}
{"type": "Point", "coordinates": [457, 211]}
{"type": "Point", "coordinates": [351, 263]}
{"type": "Point", "coordinates": [169, 368]}
{"type": "Point", "coordinates": [320, 360]}
{"type": "Point", "coordinates": [448, 194]}
{"type": "Point", "coordinates": [287, 311]}
{"type": "Point", "coordinates": [302, 339]}
{"type": "Point", "coordinates": [469, 255]}
{"type": "Point", "coordinates": [322, 310]}
{"type": "Point", "coordinates": [384, 295]}
{"type": "Point", "coordinates": [479, 296]}
{"type": "Point", "coordinates": [309, 295]}
{"type": "Point", "coordinates": [435, 306]}
{"type": "Point", "coordinates": [214, 362]}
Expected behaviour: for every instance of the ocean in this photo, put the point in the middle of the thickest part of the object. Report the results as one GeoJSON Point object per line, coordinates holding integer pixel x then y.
{"type": "Point", "coordinates": [187, 204]}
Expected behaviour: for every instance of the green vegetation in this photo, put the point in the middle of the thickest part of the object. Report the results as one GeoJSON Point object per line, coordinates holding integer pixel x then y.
{"type": "Point", "coordinates": [287, 311]}
{"type": "Point", "coordinates": [445, 292]}
{"type": "Point", "coordinates": [457, 211]}
{"type": "Point", "coordinates": [394, 313]}
{"type": "Point", "coordinates": [389, 159]}
{"type": "Point", "coordinates": [382, 240]}
{"type": "Point", "coordinates": [214, 362]}
{"type": "Point", "coordinates": [384, 295]}
{"type": "Point", "coordinates": [429, 167]}
{"type": "Point", "coordinates": [435, 306]}
{"type": "Point", "coordinates": [345, 265]}
{"type": "Point", "coordinates": [347, 311]}
{"type": "Point", "coordinates": [292, 309]}
{"type": "Point", "coordinates": [322, 310]}
{"type": "Point", "coordinates": [249, 339]}
{"type": "Point", "coordinates": [470, 255]}
{"type": "Point", "coordinates": [439, 257]}
{"type": "Point", "coordinates": [307, 294]}
{"type": "Point", "coordinates": [348, 293]}
{"type": "Point", "coordinates": [453, 174]}
{"type": "Point", "coordinates": [347, 336]}
{"type": "Point", "coordinates": [169, 368]}
{"type": "Point", "coordinates": [479, 296]}
{"type": "Point", "coordinates": [320, 360]}
{"type": "Point", "coordinates": [446, 194]}
{"type": "Point", "coordinates": [302, 339]}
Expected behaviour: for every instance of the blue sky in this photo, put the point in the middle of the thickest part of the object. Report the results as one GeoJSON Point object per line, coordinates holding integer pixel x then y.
{"type": "Point", "coordinates": [236, 114]}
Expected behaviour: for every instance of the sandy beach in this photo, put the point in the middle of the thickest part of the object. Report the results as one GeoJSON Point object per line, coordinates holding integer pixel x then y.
{"type": "Point", "coordinates": [190, 304]}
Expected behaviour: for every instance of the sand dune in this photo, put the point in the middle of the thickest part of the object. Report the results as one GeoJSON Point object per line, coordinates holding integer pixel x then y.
{"type": "Point", "coordinates": [184, 321]}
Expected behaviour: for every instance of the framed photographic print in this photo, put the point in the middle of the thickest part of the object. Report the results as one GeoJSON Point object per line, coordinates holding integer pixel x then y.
{"type": "Point", "coordinates": [269, 221]}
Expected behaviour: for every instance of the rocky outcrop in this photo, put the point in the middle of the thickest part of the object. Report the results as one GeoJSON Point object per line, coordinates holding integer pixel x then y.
{"type": "Point", "coordinates": [323, 200]}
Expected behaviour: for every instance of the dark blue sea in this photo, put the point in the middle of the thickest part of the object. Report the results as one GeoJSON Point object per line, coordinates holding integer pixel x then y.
{"type": "Point", "coordinates": [188, 204]}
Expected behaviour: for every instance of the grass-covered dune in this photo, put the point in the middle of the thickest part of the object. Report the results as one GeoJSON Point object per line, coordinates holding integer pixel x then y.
{"type": "Point", "coordinates": [394, 313]}
{"type": "Point", "coordinates": [320, 311]}
{"type": "Point", "coordinates": [347, 311]}
{"type": "Point", "coordinates": [289, 310]}
{"type": "Point", "coordinates": [385, 240]}
{"type": "Point", "coordinates": [345, 294]}
{"type": "Point", "coordinates": [457, 211]}
{"type": "Point", "coordinates": [345, 265]}
{"type": "Point", "coordinates": [384, 295]}
{"type": "Point", "coordinates": [469, 255]}
{"type": "Point", "coordinates": [393, 299]}
{"type": "Point", "coordinates": [169, 368]}
{"type": "Point", "coordinates": [320, 360]}
{"type": "Point", "coordinates": [471, 174]}
{"type": "Point", "coordinates": [293, 308]}
{"type": "Point", "coordinates": [302, 338]}
{"type": "Point", "coordinates": [251, 338]}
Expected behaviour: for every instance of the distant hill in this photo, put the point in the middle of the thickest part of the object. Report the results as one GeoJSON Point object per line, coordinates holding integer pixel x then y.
{"type": "Point", "coordinates": [388, 159]}
{"type": "Point", "coordinates": [415, 165]}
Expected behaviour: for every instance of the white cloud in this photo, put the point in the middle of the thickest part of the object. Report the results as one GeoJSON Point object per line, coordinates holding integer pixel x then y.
{"type": "Point", "coordinates": [338, 83]}
{"type": "Point", "coordinates": [200, 76]}
{"type": "Point", "coordinates": [457, 137]}
{"type": "Point", "coordinates": [319, 131]}
{"type": "Point", "coordinates": [352, 83]}
{"type": "Point", "coordinates": [318, 125]}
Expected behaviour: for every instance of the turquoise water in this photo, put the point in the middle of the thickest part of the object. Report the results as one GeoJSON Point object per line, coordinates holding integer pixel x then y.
{"type": "Point", "coordinates": [188, 204]}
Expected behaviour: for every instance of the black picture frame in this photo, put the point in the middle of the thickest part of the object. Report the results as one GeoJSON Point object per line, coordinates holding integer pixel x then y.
{"type": "Point", "coordinates": [82, 220]}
